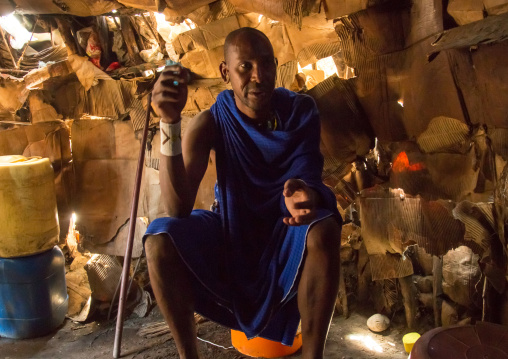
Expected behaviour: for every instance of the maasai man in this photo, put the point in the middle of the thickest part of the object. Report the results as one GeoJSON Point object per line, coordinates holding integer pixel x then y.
{"type": "Point", "coordinates": [268, 254]}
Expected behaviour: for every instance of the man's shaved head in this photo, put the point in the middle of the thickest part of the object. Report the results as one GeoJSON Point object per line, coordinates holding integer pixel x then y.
{"type": "Point", "coordinates": [251, 68]}
{"type": "Point", "coordinates": [249, 33]}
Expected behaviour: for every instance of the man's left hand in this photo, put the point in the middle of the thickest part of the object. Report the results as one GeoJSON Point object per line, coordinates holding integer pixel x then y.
{"type": "Point", "coordinates": [300, 201]}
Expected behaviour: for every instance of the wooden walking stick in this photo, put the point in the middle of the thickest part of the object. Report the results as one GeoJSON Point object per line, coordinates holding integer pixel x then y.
{"type": "Point", "coordinates": [130, 238]}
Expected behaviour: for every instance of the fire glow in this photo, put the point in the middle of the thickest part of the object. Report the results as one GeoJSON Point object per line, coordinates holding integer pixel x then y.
{"type": "Point", "coordinates": [401, 164]}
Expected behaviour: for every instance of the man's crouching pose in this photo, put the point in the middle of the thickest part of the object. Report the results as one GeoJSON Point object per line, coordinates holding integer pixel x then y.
{"type": "Point", "coordinates": [268, 255]}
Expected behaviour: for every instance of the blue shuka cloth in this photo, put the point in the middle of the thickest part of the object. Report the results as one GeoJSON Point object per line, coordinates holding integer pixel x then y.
{"type": "Point", "coordinates": [247, 279]}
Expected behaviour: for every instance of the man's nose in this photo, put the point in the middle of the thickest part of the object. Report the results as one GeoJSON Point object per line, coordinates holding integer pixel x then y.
{"type": "Point", "coordinates": [257, 73]}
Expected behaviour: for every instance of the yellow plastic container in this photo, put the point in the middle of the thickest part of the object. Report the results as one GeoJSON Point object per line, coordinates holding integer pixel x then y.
{"type": "Point", "coordinates": [264, 348]}
{"type": "Point", "coordinates": [28, 212]}
{"type": "Point", "coordinates": [409, 340]}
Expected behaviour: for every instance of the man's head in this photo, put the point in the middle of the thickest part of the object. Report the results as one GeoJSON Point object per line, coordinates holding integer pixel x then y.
{"type": "Point", "coordinates": [251, 67]}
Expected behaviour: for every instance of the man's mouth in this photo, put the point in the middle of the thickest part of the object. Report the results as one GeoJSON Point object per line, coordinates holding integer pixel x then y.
{"type": "Point", "coordinates": [258, 93]}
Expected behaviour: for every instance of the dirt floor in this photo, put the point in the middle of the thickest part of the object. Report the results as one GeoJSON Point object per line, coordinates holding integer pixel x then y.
{"type": "Point", "coordinates": [348, 339]}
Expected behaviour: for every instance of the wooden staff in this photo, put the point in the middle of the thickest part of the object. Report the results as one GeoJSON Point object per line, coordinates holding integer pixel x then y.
{"type": "Point", "coordinates": [130, 238]}
{"type": "Point", "coordinates": [437, 288]}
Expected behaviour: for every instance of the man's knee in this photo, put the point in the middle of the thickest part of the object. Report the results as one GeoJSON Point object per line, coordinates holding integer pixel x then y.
{"type": "Point", "coordinates": [159, 246]}
{"type": "Point", "coordinates": [324, 235]}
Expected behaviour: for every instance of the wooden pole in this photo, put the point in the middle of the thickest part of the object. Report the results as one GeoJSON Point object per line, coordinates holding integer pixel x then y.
{"type": "Point", "coordinates": [8, 48]}
{"type": "Point", "coordinates": [437, 288]}
{"type": "Point", "coordinates": [409, 296]}
{"type": "Point", "coordinates": [130, 239]}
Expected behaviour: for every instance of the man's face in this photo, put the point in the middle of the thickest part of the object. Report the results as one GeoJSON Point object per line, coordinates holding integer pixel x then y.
{"type": "Point", "coordinates": [251, 67]}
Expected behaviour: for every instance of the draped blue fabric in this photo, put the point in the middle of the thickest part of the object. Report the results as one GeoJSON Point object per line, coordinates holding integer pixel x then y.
{"type": "Point", "coordinates": [252, 167]}
{"type": "Point", "coordinates": [246, 260]}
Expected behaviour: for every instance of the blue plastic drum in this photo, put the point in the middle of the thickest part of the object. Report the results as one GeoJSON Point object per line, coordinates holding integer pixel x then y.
{"type": "Point", "coordinates": [33, 294]}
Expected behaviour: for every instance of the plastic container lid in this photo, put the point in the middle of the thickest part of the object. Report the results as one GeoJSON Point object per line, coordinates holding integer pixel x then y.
{"type": "Point", "coordinates": [409, 340]}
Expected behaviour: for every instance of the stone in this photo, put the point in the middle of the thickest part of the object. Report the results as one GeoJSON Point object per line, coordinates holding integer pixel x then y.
{"type": "Point", "coordinates": [378, 323]}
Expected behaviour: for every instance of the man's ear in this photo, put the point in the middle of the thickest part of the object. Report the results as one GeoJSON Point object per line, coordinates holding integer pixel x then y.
{"type": "Point", "coordinates": [276, 66]}
{"type": "Point", "coordinates": [224, 72]}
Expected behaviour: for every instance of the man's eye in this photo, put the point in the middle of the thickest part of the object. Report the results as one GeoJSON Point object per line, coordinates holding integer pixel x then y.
{"type": "Point", "coordinates": [246, 66]}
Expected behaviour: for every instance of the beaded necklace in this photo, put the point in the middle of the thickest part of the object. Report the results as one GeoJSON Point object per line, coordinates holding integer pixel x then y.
{"type": "Point", "coordinates": [271, 124]}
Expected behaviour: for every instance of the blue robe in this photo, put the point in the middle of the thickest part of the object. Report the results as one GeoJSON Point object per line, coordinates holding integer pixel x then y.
{"type": "Point", "coordinates": [246, 260]}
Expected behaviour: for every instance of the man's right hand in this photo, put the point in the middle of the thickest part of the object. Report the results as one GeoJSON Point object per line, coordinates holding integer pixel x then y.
{"type": "Point", "coordinates": [169, 94]}
{"type": "Point", "coordinates": [301, 202]}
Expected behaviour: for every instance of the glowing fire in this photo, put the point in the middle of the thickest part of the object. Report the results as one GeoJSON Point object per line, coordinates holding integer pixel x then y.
{"type": "Point", "coordinates": [401, 164]}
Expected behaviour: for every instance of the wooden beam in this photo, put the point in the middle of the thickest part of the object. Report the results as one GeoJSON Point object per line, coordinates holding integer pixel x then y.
{"type": "Point", "coordinates": [64, 27]}
{"type": "Point", "coordinates": [130, 40]}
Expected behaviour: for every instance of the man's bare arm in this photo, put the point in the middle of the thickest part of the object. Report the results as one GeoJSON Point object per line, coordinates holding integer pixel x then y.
{"type": "Point", "coordinates": [180, 173]}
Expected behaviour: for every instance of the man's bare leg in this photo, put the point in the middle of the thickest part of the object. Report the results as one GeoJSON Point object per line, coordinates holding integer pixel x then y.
{"type": "Point", "coordinates": [319, 285]}
{"type": "Point", "coordinates": [170, 280]}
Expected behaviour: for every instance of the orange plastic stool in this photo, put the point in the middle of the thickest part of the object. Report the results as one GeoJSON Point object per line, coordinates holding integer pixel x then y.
{"type": "Point", "coordinates": [264, 348]}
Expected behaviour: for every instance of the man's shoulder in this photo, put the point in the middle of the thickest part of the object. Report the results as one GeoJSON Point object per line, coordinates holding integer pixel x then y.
{"type": "Point", "coordinates": [294, 101]}
{"type": "Point", "coordinates": [200, 130]}
{"type": "Point", "coordinates": [293, 97]}
{"type": "Point", "coordinates": [202, 122]}
{"type": "Point", "coordinates": [204, 118]}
